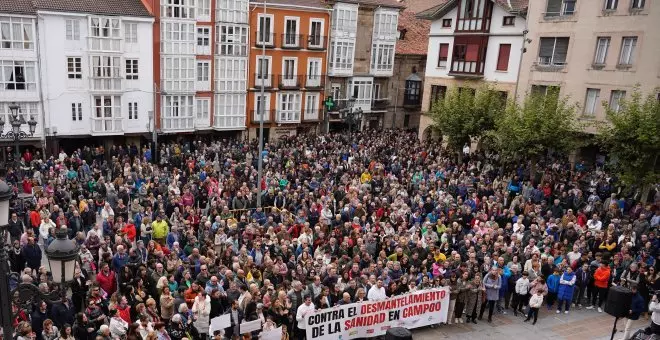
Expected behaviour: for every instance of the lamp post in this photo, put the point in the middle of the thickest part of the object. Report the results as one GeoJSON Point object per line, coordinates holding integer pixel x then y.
{"type": "Point", "coordinates": [351, 116]}
{"type": "Point", "coordinates": [16, 134]}
{"type": "Point", "coordinates": [62, 255]}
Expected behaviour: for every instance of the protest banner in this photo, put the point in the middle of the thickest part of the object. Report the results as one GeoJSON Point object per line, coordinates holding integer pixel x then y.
{"type": "Point", "coordinates": [374, 318]}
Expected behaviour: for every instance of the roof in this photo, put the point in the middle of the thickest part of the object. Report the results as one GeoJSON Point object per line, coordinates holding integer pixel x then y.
{"type": "Point", "coordinates": [416, 39]}
{"type": "Point", "coordinates": [133, 8]}
{"type": "Point", "coordinates": [307, 3]}
{"type": "Point", "coordinates": [17, 7]}
{"type": "Point", "coordinates": [441, 8]}
{"type": "Point", "coordinates": [383, 3]}
{"type": "Point", "coordinates": [417, 6]}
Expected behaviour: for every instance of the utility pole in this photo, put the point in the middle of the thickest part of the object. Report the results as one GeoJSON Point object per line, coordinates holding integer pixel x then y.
{"type": "Point", "coordinates": [262, 108]}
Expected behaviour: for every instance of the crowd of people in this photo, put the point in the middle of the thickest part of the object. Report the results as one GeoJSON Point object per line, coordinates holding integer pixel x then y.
{"type": "Point", "coordinates": [170, 242]}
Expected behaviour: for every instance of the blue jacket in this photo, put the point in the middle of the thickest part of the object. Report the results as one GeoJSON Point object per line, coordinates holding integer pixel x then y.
{"type": "Point", "coordinates": [553, 283]}
{"type": "Point", "coordinates": [638, 306]}
{"type": "Point", "coordinates": [566, 286]}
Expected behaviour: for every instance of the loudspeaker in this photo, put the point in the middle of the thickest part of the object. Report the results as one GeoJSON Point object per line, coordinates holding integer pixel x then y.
{"type": "Point", "coordinates": [398, 333]}
{"type": "Point", "coordinates": [618, 302]}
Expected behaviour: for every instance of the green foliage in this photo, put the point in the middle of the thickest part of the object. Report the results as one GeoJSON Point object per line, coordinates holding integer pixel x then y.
{"type": "Point", "coordinates": [465, 113]}
{"type": "Point", "coordinates": [543, 121]}
{"type": "Point", "coordinates": [632, 137]}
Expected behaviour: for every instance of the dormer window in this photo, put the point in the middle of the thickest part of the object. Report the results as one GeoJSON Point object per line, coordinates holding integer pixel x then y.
{"type": "Point", "coordinates": [446, 23]}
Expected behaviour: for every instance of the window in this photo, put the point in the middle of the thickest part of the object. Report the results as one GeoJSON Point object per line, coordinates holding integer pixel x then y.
{"type": "Point", "coordinates": [413, 88]}
{"type": "Point", "coordinates": [203, 70]}
{"type": "Point", "coordinates": [313, 72]}
{"type": "Point", "coordinates": [179, 73]}
{"type": "Point", "coordinates": [76, 111]}
{"type": "Point", "coordinates": [72, 29]}
{"type": "Point", "coordinates": [25, 111]}
{"type": "Point", "coordinates": [615, 99]}
{"type": "Point", "coordinates": [17, 75]}
{"type": "Point", "coordinates": [265, 29]}
{"type": "Point", "coordinates": [105, 33]}
{"type": "Point", "coordinates": [446, 23]}
{"type": "Point", "coordinates": [553, 51]}
{"type": "Point", "coordinates": [509, 21]}
{"type": "Point", "coordinates": [178, 38]}
{"type": "Point", "coordinates": [107, 113]}
{"type": "Point", "coordinates": [544, 89]}
{"type": "Point", "coordinates": [341, 54]}
{"type": "Point", "coordinates": [130, 33]}
{"type": "Point", "coordinates": [437, 93]}
{"type": "Point", "coordinates": [315, 38]}
{"type": "Point", "coordinates": [263, 103]}
{"type": "Point", "coordinates": [183, 9]}
{"type": "Point", "coordinates": [230, 75]}
{"type": "Point", "coordinates": [263, 71]}
{"type": "Point", "coordinates": [289, 71]}
{"type": "Point", "coordinates": [229, 110]}
{"type": "Point", "coordinates": [611, 5]}
{"type": "Point", "coordinates": [234, 11]}
{"type": "Point", "coordinates": [442, 56]}
{"type": "Point", "coordinates": [344, 19]}
{"type": "Point", "coordinates": [289, 107]}
{"type": "Point", "coordinates": [602, 45]}
{"type": "Point", "coordinates": [503, 57]}
{"type": "Point", "coordinates": [557, 8]}
{"type": "Point", "coordinates": [311, 106]}
{"type": "Point", "coordinates": [361, 91]}
{"type": "Point", "coordinates": [74, 67]}
{"type": "Point", "coordinates": [106, 73]}
{"type": "Point", "coordinates": [628, 46]}
{"type": "Point", "coordinates": [335, 90]}
{"type": "Point", "coordinates": [131, 69]}
{"type": "Point", "coordinates": [591, 103]}
{"type": "Point", "coordinates": [459, 52]}
{"type": "Point", "coordinates": [16, 33]}
{"type": "Point", "coordinates": [637, 4]}
{"type": "Point", "coordinates": [133, 111]}
{"type": "Point", "coordinates": [232, 40]}
{"type": "Point", "coordinates": [375, 94]}
{"type": "Point", "coordinates": [177, 112]}
{"type": "Point", "coordinates": [204, 10]}
{"type": "Point", "coordinates": [382, 57]}
{"type": "Point", "coordinates": [385, 24]}
{"type": "Point", "coordinates": [202, 106]}
{"type": "Point", "coordinates": [203, 40]}
{"type": "Point", "coordinates": [291, 32]}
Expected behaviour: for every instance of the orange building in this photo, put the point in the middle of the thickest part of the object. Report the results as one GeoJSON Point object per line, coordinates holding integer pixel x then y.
{"type": "Point", "coordinates": [292, 69]}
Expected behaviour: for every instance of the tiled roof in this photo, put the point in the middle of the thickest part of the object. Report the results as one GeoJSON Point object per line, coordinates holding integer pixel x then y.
{"type": "Point", "coordinates": [308, 3]}
{"type": "Point", "coordinates": [416, 39]}
{"type": "Point", "coordinates": [417, 6]}
{"type": "Point", "coordinates": [17, 6]}
{"type": "Point", "coordinates": [434, 10]}
{"type": "Point", "coordinates": [513, 5]}
{"type": "Point", "coordinates": [442, 6]}
{"type": "Point", "coordinates": [384, 3]}
{"type": "Point", "coordinates": [133, 8]}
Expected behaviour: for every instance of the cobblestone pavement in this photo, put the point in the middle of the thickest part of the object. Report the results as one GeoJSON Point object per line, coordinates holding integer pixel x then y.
{"type": "Point", "coordinates": [577, 325]}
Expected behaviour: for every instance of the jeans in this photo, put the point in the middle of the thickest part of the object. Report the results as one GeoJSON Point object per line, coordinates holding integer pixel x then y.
{"type": "Point", "coordinates": [532, 312]}
{"type": "Point", "coordinates": [561, 302]}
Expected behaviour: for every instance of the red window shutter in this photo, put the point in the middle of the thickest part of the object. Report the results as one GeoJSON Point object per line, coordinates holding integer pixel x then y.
{"type": "Point", "coordinates": [472, 53]}
{"type": "Point", "coordinates": [444, 51]}
{"type": "Point", "coordinates": [503, 57]}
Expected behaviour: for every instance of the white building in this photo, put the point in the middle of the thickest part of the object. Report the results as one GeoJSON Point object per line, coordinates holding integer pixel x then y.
{"type": "Point", "coordinates": [472, 42]}
{"type": "Point", "coordinates": [96, 66]}
{"type": "Point", "coordinates": [19, 67]}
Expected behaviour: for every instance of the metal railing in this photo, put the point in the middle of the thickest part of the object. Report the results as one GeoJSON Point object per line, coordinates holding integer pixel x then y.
{"type": "Point", "coordinates": [290, 81]}
{"type": "Point", "coordinates": [292, 41]}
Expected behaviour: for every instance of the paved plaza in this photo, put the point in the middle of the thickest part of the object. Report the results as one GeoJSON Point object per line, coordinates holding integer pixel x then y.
{"type": "Point", "coordinates": [578, 325]}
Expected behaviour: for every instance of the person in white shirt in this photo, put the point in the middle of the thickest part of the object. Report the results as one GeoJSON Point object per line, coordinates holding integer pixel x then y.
{"type": "Point", "coordinates": [301, 314]}
{"type": "Point", "coordinates": [654, 308]}
{"type": "Point", "coordinates": [594, 223]}
{"type": "Point", "coordinates": [535, 303]}
{"type": "Point", "coordinates": [377, 292]}
{"type": "Point", "coordinates": [520, 294]}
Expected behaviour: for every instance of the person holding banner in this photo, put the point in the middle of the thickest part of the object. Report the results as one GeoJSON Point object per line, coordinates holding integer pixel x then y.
{"type": "Point", "coordinates": [306, 308]}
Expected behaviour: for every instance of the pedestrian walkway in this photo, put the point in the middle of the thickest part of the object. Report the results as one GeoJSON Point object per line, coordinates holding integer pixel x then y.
{"type": "Point", "coordinates": [578, 325]}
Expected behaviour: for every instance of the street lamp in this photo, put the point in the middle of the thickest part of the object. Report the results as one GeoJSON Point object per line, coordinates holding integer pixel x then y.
{"type": "Point", "coordinates": [62, 255]}
{"type": "Point", "coordinates": [351, 116]}
{"type": "Point", "coordinates": [16, 134]}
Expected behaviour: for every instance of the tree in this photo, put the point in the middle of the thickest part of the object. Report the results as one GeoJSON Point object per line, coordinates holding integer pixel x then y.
{"type": "Point", "coordinates": [543, 121]}
{"type": "Point", "coordinates": [464, 114]}
{"type": "Point", "coordinates": [632, 137]}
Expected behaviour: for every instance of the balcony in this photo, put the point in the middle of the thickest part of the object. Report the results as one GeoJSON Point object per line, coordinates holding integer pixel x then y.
{"type": "Point", "coordinates": [178, 123]}
{"type": "Point", "coordinates": [289, 82]}
{"type": "Point", "coordinates": [291, 41]}
{"type": "Point", "coordinates": [266, 39]}
{"type": "Point", "coordinates": [267, 116]}
{"type": "Point", "coordinates": [317, 42]}
{"type": "Point", "coordinates": [267, 80]}
{"type": "Point", "coordinates": [314, 81]}
{"type": "Point", "coordinates": [106, 84]}
{"type": "Point", "coordinates": [287, 116]}
{"type": "Point", "coordinates": [107, 126]}
{"type": "Point", "coordinates": [312, 115]}
{"type": "Point", "coordinates": [380, 104]}
{"type": "Point", "coordinates": [467, 69]}
{"type": "Point", "coordinates": [411, 101]}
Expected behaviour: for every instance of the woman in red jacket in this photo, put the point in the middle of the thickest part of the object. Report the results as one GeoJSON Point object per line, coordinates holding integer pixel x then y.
{"type": "Point", "coordinates": [601, 282]}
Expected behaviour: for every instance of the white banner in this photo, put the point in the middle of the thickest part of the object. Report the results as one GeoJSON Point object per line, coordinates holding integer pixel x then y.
{"type": "Point", "coordinates": [374, 318]}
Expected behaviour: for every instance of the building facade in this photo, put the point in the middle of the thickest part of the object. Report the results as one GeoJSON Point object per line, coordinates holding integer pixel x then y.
{"type": "Point", "coordinates": [288, 58]}
{"type": "Point", "coordinates": [363, 38]}
{"type": "Point", "coordinates": [472, 42]}
{"type": "Point", "coordinates": [595, 52]}
{"type": "Point", "coordinates": [96, 71]}
{"type": "Point", "coordinates": [19, 70]}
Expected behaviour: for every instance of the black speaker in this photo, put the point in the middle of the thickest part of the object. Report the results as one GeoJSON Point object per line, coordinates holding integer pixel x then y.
{"type": "Point", "coordinates": [618, 301]}
{"type": "Point", "coordinates": [398, 333]}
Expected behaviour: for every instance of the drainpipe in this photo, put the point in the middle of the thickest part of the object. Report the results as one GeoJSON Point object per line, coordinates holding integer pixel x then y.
{"type": "Point", "coordinates": [41, 93]}
{"type": "Point", "coordinates": [522, 51]}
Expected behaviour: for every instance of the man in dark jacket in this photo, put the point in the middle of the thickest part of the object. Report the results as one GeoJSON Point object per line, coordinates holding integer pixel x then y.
{"type": "Point", "coordinates": [582, 277]}
{"type": "Point", "coordinates": [236, 317]}
{"type": "Point", "coordinates": [38, 317]}
{"type": "Point", "coordinates": [63, 313]}
{"type": "Point", "coordinates": [637, 307]}
{"type": "Point", "coordinates": [15, 227]}
{"type": "Point", "coordinates": [32, 254]}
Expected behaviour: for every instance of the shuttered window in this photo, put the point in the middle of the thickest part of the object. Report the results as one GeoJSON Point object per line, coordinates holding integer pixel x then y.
{"type": "Point", "coordinates": [472, 53]}
{"type": "Point", "coordinates": [503, 57]}
{"type": "Point", "coordinates": [442, 57]}
{"type": "Point", "coordinates": [553, 51]}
